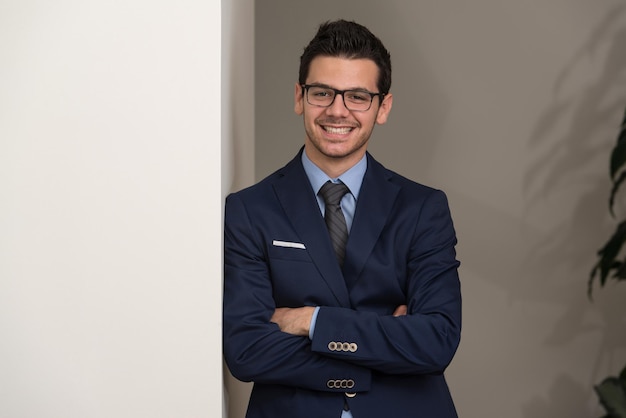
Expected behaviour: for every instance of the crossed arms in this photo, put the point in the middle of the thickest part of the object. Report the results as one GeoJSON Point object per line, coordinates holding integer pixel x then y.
{"type": "Point", "coordinates": [297, 321]}
{"type": "Point", "coordinates": [266, 329]}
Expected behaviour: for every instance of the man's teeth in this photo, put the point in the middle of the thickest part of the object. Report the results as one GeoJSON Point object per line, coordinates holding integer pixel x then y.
{"type": "Point", "coordinates": [333, 130]}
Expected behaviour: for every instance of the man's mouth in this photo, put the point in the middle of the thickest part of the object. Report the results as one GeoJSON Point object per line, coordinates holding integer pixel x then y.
{"type": "Point", "coordinates": [338, 130]}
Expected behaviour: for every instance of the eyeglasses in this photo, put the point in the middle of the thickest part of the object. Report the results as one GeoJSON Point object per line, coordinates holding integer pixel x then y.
{"type": "Point", "coordinates": [322, 96]}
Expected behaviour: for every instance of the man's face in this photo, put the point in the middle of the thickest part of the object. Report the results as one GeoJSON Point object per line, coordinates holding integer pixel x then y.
{"type": "Point", "coordinates": [335, 136]}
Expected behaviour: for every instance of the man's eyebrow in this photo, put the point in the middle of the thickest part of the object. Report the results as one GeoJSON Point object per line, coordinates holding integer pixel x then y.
{"type": "Point", "coordinates": [319, 85]}
{"type": "Point", "coordinates": [362, 89]}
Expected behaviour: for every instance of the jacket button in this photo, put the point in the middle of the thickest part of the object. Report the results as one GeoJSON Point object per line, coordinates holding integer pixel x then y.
{"type": "Point", "coordinates": [332, 346]}
{"type": "Point", "coordinates": [353, 347]}
{"type": "Point", "coordinates": [350, 394]}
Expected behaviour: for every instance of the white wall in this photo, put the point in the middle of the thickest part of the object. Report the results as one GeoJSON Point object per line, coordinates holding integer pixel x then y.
{"type": "Point", "coordinates": [110, 209]}
{"type": "Point", "coordinates": [512, 108]}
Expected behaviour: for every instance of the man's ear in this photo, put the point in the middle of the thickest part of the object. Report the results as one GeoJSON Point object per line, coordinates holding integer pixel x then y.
{"type": "Point", "coordinates": [298, 99]}
{"type": "Point", "coordinates": [384, 109]}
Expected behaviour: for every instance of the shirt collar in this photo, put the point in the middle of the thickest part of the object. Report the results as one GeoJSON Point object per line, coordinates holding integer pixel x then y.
{"type": "Point", "coordinates": [353, 178]}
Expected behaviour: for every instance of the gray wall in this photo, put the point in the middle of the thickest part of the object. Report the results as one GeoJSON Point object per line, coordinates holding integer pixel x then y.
{"type": "Point", "coordinates": [237, 135]}
{"type": "Point", "coordinates": [511, 108]}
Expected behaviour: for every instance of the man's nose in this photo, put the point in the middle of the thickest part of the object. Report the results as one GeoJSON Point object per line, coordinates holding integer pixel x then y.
{"type": "Point", "coordinates": [338, 106]}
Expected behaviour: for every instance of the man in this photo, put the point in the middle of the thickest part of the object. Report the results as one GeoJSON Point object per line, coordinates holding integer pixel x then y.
{"type": "Point", "coordinates": [328, 328]}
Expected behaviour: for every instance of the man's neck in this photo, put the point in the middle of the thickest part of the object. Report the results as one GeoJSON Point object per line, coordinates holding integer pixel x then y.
{"type": "Point", "coordinates": [333, 167]}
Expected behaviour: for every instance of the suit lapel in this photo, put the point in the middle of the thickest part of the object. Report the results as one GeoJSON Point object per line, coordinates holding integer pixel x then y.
{"type": "Point", "coordinates": [296, 196]}
{"type": "Point", "coordinates": [376, 199]}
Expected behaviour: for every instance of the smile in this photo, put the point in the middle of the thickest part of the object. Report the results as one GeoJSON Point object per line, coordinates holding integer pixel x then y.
{"type": "Point", "coordinates": [338, 131]}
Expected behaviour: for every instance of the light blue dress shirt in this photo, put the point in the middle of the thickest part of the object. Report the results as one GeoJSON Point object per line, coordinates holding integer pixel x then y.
{"type": "Point", "coordinates": [353, 178]}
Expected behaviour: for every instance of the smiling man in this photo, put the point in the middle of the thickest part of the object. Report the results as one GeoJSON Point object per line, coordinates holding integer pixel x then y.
{"type": "Point", "coordinates": [336, 137]}
{"type": "Point", "coordinates": [341, 291]}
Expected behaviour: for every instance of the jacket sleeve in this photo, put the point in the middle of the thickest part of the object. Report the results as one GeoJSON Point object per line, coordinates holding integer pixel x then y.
{"type": "Point", "coordinates": [425, 340]}
{"type": "Point", "coordinates": [254, 348]}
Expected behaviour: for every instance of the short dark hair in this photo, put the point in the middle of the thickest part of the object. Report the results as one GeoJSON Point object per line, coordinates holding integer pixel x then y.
{"type": "Point", "coordinates": [349, 40]}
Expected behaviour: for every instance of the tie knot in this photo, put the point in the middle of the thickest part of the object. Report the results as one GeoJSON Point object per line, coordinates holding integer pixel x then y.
{"type": "Point", "coordinates": [333, 192]}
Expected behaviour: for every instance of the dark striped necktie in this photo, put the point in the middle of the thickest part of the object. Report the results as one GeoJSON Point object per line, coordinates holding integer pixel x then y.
{"type": "Point", "coordinates": [335, 221]}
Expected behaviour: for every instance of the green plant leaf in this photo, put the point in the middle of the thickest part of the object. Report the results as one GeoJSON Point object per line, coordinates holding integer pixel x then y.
{"type": "Point", "coordinates": [608, 257]}
{"type": "Point", "coordinates": [618, 155]}
{"type": "Point", "coordinates": [612, 394]}
{"type": "Point", "coordinates": [608, 254]}
{"type": "Point", "coordinates": [616, 185]}
{"type": "Point", "coordinates": [620, 271]}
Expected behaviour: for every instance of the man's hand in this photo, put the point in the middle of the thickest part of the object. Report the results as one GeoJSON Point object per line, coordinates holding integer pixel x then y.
{"type": "Point", "coordinates": [400, 310]}
{"type": "Point", "coordinates": [295, 321]}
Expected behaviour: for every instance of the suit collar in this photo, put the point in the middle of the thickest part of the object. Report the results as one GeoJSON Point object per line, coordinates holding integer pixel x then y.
{"type": "Point", "coordinates": [378, 195]}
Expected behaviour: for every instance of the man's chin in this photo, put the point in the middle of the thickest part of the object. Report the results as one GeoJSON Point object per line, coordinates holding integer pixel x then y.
{"type": "Point", "coordinates": [336, 149]}
{"type": "Point", "coordinates": [336, 152]}
{"type": "Point", "coordinates": [340, 153]}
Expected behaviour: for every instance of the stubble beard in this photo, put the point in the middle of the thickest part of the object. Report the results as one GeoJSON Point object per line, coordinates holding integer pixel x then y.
{"type": "Point", "coordinates": [318, 143]}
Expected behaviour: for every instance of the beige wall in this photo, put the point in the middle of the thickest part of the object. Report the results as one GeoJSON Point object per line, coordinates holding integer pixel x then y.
{"type": "Point", "coordinates": [110, 202]}
{"type": "Point", "coordinates": [511, 108]}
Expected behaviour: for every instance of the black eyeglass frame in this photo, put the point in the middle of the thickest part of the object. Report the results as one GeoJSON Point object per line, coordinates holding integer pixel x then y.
{"type": "Point", "coordinates": [306, 87]}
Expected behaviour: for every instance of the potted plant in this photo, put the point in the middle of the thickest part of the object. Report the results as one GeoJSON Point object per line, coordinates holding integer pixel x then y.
{"type": "Point", "coordinates": [611, 264]}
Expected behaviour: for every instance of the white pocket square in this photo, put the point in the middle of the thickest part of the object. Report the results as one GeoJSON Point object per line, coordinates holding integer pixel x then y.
{"type": "Point", "coordinates": [288, 244]}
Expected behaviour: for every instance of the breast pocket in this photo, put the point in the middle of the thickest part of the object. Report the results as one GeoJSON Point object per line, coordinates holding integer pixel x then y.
{"type": "Point", "coordinates": [296, 280]}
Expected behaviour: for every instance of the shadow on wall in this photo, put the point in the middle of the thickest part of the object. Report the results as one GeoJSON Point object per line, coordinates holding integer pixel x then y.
{"type": "Point", "coordinates": [420, 104]}
{"type": "Point", "coordinates": [562, 164]}
{"type": "Point", "coordinates": [566, 398]}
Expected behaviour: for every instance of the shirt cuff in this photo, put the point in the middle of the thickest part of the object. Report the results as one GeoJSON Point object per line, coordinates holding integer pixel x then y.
{"type": "Point", "coordinates": [313, 321]}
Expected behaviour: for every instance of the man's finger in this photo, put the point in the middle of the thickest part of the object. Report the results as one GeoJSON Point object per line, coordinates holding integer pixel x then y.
{"type": "Point", "coordinates": [400, 310]}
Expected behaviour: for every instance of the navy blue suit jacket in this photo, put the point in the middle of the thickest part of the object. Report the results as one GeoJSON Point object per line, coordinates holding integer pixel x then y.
{"type": "Point", "coordinates": [400, 250]}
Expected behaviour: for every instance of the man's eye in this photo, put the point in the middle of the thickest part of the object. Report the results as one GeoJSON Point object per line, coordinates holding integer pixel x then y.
{"type": "Point", "coordinates": [357, 97]}
{"type": "Point", "coordinates": [322, 93]}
